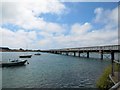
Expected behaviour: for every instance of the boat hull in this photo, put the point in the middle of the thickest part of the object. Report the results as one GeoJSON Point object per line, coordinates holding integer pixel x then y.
{"type": "Point", "coordinates": [9, 64]}
{"type": "Point", "coordinates": [37, 54]}
{"type": "Point", "coordinates": [27, 56]}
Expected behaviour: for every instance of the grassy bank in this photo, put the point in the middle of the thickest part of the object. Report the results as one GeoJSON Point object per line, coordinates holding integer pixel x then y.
{"type": "Point", "coordinates": [103, 81]}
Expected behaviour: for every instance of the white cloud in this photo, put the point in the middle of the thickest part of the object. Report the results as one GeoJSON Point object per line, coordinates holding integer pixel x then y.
{"type": "Point", "coordinates": [103, 36]}
{"type": "Point", "coordinates": [17, 39]}
{"type": "Point", "coordinates": [66, 0]}
{"type": "Point", "coordinates": [99, 14]}
{"type": "Point", "coordinates": [80, 29]}
{"type": "Point", "coordinates": [25, 14]}
{"type": "Point", "coordinates": [106, 16]}
{"type": "Point", "coordinates": [85, 35]}
{"type": "Point", "coordinates": [54, 28]}
{"type": "Point", "coordinates": [45, 43]}
{"type": "Point", "coordinates": [89, 0]}
{"type": "Point", "coordinates": [114, 16]}
{"type": "Point", "coordinates": [52, 35]}
{"type": "Point", "coordinates": [14, 9]}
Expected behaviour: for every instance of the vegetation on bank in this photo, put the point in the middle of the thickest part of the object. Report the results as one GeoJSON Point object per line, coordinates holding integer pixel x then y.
{"type": "Point", "coordinates": [104, 81]}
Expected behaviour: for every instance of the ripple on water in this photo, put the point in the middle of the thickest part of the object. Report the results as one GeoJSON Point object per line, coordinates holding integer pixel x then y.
{"type": "Point", "coordinates": [81, 85]}
{"type": "Point", "coordinates": [55, 71]}
{"type": "Point", "coordinates": [85, 83]}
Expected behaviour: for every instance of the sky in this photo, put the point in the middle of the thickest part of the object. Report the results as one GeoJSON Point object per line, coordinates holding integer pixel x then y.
{"type": "Point", "coordinates": [54, 24]}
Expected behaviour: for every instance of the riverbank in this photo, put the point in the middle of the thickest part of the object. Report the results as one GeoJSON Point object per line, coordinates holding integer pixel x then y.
{"type": "Point", "coordinates": [19, 50]}
{"type": "Point", "coordinates": [6, 49]}
{"type": "Point", "coordinates": [104, 81]}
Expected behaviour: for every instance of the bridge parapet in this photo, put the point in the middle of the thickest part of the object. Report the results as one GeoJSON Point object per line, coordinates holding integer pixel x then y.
{"type": "Point", "coordinates": [93, 48]}
{"type": "Point", "coordinates": [110, 47]}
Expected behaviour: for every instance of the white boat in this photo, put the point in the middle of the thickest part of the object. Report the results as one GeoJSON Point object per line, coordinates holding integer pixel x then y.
{"type": "Point", "coordinates": [13, 63]}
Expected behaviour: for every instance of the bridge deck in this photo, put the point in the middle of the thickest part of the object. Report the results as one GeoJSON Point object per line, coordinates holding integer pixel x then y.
{"type": "Point", "coordinates": [109, 48]}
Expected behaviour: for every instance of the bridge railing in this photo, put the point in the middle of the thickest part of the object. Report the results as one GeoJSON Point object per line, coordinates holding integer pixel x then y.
{"type": "Point", "coordinates": [110, 47]}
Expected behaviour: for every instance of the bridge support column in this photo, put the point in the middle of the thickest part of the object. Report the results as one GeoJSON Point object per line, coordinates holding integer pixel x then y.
{"type": "Point", "coordinates": [87, 54]}
{"type": "Point", "coordinates": [74, 53]}
{"type": "Point", "coordinates": [101, 55]}
{"type": "Point", "coordinates": [79, 54]}
{"type": "Point", "coordinates": [67, 53]}
{"type": "Point", "coordinates": [112, 62]}
{"type": "Point", "coordinates": [60, 52]}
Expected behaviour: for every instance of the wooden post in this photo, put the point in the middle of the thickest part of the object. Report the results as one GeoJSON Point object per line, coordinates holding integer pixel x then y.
{"type": "Point", "coordinates": [112, 62]}
{"type": "Point", "coordinates": [87, 54]}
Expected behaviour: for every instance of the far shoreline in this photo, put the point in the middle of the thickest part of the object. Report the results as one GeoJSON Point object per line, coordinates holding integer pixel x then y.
{"type": "Point", "coordinates": [19, 51]}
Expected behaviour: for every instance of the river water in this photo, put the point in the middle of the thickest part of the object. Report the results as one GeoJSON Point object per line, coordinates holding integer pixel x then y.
{"type": "Point", "coordinates": [52, 71]}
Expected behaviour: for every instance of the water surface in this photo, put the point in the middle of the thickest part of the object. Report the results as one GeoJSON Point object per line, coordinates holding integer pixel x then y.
{"type": "Point", "coordinates": [52, 71]}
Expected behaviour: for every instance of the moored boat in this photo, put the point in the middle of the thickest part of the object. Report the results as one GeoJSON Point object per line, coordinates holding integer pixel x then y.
{"type": "Point", "coordinates": [25, 56]}
{"type": "Point", "coordinates": [13, 63]}
{"type": "Point", "coordinates": [37, 54]}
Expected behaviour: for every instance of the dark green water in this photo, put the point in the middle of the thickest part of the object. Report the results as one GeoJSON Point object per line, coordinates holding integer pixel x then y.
{"type": "Point", "coordinates": [52, 71]}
